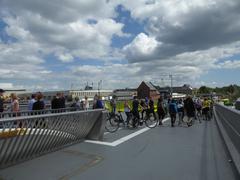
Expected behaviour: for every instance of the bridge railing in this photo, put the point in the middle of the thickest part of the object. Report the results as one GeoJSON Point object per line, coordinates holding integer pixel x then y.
{"type": "Point", "coordinates": [23, 138]}
{"type": "Point", "coordinates": [9, 114]}
{"type": "Point", "coordinates": [228, 120]}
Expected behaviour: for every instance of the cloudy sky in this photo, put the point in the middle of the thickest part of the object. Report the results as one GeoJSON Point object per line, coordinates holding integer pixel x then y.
{"type": "Point", "coordinates": [63, 44]}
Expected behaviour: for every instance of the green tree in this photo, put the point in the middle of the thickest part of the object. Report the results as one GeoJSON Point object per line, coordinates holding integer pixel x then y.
{"type": "Point", "coordinates": [204, 90]}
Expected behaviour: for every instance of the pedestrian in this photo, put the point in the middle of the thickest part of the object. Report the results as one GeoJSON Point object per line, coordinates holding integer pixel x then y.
{"type": "Point", "coordinates": [39, 104]}
{"type": "Point", "coordinates": [86, 103]}
{"type": "Point", "coordinates": [1, 100]}
{"type": "Point", "coordinates": [127, 111]}
{"type": "Point", "coordinates": [76, 105]}
{"type": "Point", "coordinates": [99, 103]}
{"type": "Point", "coordinates": [190, 110]}
{"type": "Point", "coordinates": [180, 108]}
{"type": "Point", "coordinates": [95, 98]}
{"type": "Point", "coordinates": [56, 102]}
{"type": "Point", "coordinates": [160, 110]}
{"type": "Point", "coordinates": [62, 101]}
{"type": "Point", "coordinates": [173, 111]}
{"type": "Point", "coordinates": [15, 105]}
{"type": "Point", "coordinates": [31, 102]}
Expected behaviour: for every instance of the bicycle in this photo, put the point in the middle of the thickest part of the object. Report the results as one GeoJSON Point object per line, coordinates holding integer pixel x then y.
{"type": "Point", "coordinates": [149, 120]}
{"type": "Point", "coordinates": [114, 121]}
{"type": "Point", "coordinates": [206, 114]}
{"type": "Point", "coordinates": [199, 115]}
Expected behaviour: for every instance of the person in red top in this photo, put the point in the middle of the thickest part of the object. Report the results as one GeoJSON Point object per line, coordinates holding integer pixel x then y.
{"type": "Point", "coordinates": [1, 100]}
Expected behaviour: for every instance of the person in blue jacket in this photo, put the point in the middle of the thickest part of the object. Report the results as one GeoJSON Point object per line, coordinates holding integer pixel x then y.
{"type": "Point", "coordinates": [173, 111]}
{"type": "Point", "coordinates": [99, 103]}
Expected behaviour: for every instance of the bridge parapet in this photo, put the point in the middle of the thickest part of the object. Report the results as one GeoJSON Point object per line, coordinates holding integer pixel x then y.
{"type": "Point", "coordinates": [23, 138]}
{"type": "Point", "coordinates": [228, 121]}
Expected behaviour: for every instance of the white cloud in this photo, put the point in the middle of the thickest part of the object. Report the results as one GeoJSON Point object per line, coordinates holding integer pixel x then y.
{"type": "Point", "coordinates": [184, 38]}
{"type": "Point", "coordinates": [65, 57]}
{"type": "Point", "coordinates": [235, 64]}
{"type": "Point", "coordinates": [186, 26]}
{"type": "Point", "coordinates": [142, 46]}
{"type": "Point", "coordinates": [6, 85]}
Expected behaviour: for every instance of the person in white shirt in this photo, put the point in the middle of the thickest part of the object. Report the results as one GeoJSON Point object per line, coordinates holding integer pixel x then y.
{"type": "Point", "coordinates": [86, 103]}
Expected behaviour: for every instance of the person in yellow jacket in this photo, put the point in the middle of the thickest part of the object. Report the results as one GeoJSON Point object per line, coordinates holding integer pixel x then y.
{"type": "Point", "coordinates": [206, 107]}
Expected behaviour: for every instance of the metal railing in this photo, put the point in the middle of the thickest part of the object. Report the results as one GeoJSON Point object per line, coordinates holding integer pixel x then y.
{"type": "Point", "coordinates": [23, 138]}
{"type": "Point", "coordinates": [228, 120]}
{"type": "Point", "coordinates": [9, 114]}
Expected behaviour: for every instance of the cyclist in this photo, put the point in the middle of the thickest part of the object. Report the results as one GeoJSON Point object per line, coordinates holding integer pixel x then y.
{"type": "Point", "coordinates": [151, 108]}
{"type": "Point", "coordinates": [144, 107]}
{"type": "Point", "coordinates": [160, 110]}
{"type": "Point", "coordinates": [206, 108]}
{"type": "Point", "coordinates": [135, 106]}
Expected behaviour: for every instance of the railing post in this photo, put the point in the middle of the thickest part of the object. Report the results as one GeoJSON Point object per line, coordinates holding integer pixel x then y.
{"type": "Point", "coordinates": [98, 129]}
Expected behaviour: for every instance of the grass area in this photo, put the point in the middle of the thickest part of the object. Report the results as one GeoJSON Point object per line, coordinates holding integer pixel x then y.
{"type": "Point", "coordinates": [120, 105]}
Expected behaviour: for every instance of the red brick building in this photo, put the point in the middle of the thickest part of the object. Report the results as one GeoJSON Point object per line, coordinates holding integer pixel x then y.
{"type": "Point", "coordinates": [147, 89]}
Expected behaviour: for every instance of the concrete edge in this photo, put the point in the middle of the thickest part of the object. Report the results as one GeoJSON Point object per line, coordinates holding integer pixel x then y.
{"type": "Point", "coordinates": [229, 145]}
{"type": "Point", "coordinates": [98, 129]}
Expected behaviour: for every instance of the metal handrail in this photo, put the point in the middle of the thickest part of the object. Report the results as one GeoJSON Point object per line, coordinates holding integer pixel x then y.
{"type": "Point", "coordinates": [36, 112]}
{"type": "Point", "coordinates": [230, 119]}
{"type": "Point", "coordinates": [23, 138]}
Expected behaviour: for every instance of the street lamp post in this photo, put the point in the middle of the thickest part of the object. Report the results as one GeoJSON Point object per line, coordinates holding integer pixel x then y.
{"type": "Point", "coordinates": [99, 82]}
{"type": "Point", "coordinates": [171, 78]}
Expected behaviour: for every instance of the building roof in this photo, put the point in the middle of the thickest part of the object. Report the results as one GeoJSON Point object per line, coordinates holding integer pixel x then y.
{"type": "Point", "coordinates": [150, 85]}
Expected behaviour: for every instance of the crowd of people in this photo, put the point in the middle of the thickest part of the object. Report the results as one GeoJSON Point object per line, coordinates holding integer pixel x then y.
{"type": "Point", "coordinates": [180, 108]}
{"type": "Point", "coordinates": [14, 106]}
{"type": "Point", "coordinates": [139, 108]}
{"type": "Point", "coordinates": [36, 102]}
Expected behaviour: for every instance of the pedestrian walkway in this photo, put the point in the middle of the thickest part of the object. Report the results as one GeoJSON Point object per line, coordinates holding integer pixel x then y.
{"type": "Point", "coordinates": [179, 153]}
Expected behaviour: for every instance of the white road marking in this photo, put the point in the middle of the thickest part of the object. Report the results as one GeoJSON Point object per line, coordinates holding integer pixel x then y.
{"type": "Point", "coordinates": [109, 132]}
{"type": "Point", "coordinates": [123, 139]}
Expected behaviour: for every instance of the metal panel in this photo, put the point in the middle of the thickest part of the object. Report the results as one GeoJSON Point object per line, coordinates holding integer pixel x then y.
{"type": "Point", "coordinates": [230, 118]}
{"type": "Point", "coordinates": [26, 137]}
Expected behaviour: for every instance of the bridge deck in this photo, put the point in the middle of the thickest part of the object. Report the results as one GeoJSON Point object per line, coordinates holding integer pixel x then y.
{"type": "Point", "coordinates": [181, 153]}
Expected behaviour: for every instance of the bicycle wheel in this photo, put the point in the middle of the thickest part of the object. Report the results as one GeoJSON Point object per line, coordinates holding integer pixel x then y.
{"type": "Point", "coordinates": [151, 122]}
{"type": "Point", "coordinates": [112, 124]}
{"type": "Point", "coordinates": [132, 123]}
{"type": "Point", "coordinates": [209, 115]}
{"type": "Point", "coordinates": [199, 117]}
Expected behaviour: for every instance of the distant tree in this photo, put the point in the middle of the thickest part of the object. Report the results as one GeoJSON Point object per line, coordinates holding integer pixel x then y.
{"type": "Point", "coordinates": [204, 90]}
{"type": "Point", "coordinates": [230, 89]}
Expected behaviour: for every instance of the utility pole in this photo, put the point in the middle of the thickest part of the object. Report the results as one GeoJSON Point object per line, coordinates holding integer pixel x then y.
{"type": "Point", "coordinates": [99, 82]}
{"type": "Point", "coordinates": [171, 78]}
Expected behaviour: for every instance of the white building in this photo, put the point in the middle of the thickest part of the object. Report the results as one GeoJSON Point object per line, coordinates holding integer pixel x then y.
{"type": "Point", "coordinates": [48, 95]}
{"type": "Point", "coordinates": [90, 93]}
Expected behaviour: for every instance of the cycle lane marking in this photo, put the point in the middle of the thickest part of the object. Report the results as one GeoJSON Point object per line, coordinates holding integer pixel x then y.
{"type": "Point", "coordinates": [123, 139]}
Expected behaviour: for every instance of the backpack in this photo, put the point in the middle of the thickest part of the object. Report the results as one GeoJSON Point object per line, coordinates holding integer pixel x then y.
{"type": "Point", "coordinates": [172, 108]}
